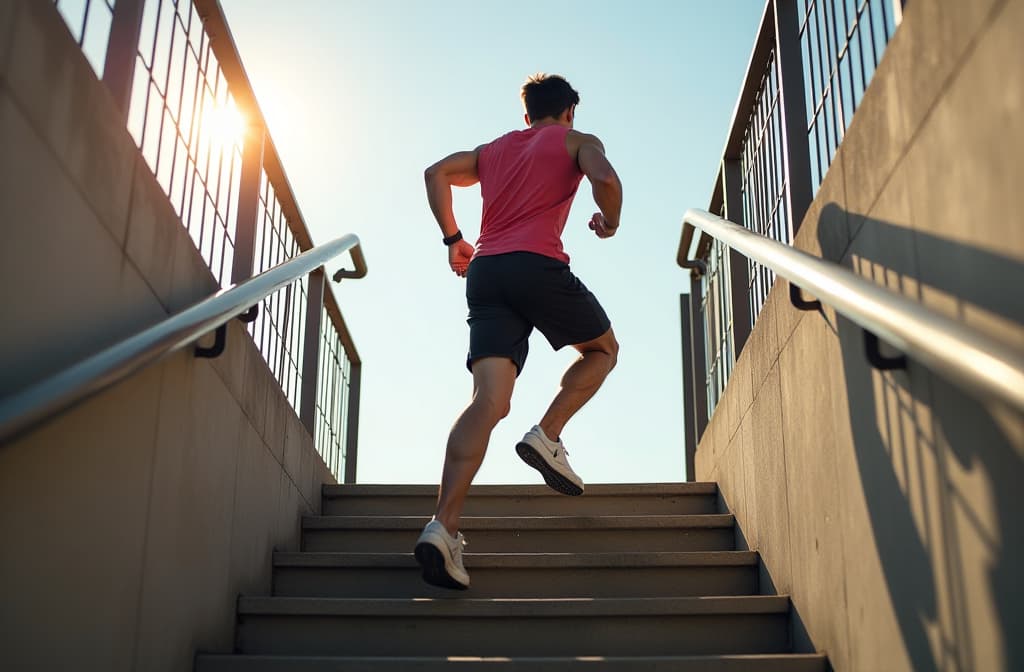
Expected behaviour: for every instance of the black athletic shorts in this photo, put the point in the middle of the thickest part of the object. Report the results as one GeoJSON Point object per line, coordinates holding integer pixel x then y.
{"type": "Point", "coordinates": [510, 294]}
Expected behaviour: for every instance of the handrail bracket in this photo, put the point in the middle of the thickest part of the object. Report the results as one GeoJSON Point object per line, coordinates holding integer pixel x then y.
{"type": "Point", "coordinates": [251, 314]}
{"type": "Point", "coordinates": [796, 297]}
{"type": "Point", "coordinates": [219, 341]}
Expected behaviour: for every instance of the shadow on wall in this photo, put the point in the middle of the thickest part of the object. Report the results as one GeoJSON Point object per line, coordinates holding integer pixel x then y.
{"type": "Point", "coordinates": [939, 469]}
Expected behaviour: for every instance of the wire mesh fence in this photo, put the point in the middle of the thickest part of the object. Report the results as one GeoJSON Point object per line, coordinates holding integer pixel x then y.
{"type": "Point", "coordinates": [192, 113]}
{"type": "Point", "coordinates": [840, 44]}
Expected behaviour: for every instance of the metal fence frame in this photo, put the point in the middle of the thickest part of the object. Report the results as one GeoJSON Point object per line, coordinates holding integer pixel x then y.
{"type": "Point", "coordinates": [167, 64]}
{"type": "Point", "coordinates": [811, 63]}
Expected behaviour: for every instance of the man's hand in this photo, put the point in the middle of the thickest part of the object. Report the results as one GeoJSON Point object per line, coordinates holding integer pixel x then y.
{"type": "Point", "coordinates": [459, 255]}
{"type": "Point", "coordinates": [599, 225]}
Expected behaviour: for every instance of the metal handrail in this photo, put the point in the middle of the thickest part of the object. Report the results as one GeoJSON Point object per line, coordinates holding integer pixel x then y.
{"type": "Point", "coordinates": [989, 366]}
{"type": "Point", "coordinates": [22, 411]}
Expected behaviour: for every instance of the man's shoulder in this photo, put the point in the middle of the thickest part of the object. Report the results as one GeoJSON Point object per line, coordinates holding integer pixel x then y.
{"type": "Point", "coordinates": [576, 139]}
{"type": "Point", "coordinates": [581, 136]}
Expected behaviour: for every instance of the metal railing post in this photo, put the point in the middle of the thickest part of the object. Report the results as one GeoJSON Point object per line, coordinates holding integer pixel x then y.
{"type": "Point", "coordinates": [739, 268]}
{"type": "Point", "coordinates": [311, 350]}
{"type": "Point", "coordinates": [248, 204]}
{"type": "Point", "coordinates": [700, 368]}
{"type": "Point", "coordinates": [352, 431]}
{"type": "Point", "coordinates": [689, 387]}
{"type": "Point", "coordinates": [796, 148]}
{"type": "Point", "coordinates": [122, 47]}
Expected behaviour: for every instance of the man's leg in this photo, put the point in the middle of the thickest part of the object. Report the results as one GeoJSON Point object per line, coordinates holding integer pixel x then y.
{"type": "Point", "coordinates": [493, 380]}
{"type": "Point", "coordinates": [580, 381]}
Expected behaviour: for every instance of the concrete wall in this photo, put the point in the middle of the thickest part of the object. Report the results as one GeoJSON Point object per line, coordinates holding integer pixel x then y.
{"type": "Point", "coordinates": [128, 525]}
{"type": "Point", "coordinates": [887, 503]}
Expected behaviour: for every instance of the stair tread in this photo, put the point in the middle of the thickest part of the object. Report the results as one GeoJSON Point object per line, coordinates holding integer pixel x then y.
{"type": "Point", "coordinates": [526, 560]}
{"type": "Point", "coordinates": [506, 607]}
{"type": "Point", "coordinates": [602, 489]}
{"type": "Point", "coordinates": [525, 522]}
{"type": "Point", "coordinates": [709, 663]}
{"type": "Point", "coordinates": [735, 656]}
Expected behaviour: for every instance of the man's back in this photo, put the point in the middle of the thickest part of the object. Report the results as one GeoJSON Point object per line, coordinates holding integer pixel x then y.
{"type": "Point", "coordinates": [527, 180]}
{"type": "Point", "coordinates": [518, 280]}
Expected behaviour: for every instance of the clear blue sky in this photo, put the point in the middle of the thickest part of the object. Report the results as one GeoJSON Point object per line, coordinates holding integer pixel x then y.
{"type": "Point", "coordinates": [361, 96]}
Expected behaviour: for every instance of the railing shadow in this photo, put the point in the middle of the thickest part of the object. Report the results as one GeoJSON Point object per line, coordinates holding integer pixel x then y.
{"type": "Point", "coordinates": [939, 469]}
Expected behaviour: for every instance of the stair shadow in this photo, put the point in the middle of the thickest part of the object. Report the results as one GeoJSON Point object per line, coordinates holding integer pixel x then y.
{"type": "Point", "coordinates": [930, 537]}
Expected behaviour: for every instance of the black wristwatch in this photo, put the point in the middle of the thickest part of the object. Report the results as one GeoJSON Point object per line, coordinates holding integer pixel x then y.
{"type": "Point", "coordinates": [452, 239]}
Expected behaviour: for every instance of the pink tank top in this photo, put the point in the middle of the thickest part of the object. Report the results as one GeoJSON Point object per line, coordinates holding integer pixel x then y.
{"type": "Point", "coordinates": [527, 181]}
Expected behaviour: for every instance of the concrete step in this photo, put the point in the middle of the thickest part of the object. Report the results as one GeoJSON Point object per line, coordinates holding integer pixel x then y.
{"type": "Point", "coordinates": [748, 663]}
{"type": "Point", "coordinates": [522, 575]}
{"type": "Point", "coordinates": [514, 627]}
{"type": "Point", "coordinates": [525, 500]}
{"type": "Point", "coordinates": [551, 534]}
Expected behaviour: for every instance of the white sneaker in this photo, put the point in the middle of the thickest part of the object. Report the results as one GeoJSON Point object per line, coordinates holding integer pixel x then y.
{"type": "Point", "coordinates": [440, 556]}
{"type": "Point", "coordinates": [550, 459]}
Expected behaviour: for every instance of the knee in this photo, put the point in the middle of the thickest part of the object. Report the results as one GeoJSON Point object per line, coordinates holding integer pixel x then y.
{"type": "Point", "coordinates": [494, 409]}
{"type": "Point", "coordinates": [607, 346]}
{"type": "Point", "coordinates": [610, 347]}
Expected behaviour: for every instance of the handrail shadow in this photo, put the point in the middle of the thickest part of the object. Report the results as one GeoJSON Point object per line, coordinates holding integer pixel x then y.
{"type": "Point", "coordinates": [923, 446]}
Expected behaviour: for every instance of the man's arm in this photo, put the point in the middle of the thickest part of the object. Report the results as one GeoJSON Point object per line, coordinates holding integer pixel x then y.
{"type": "Point", "coordinates": [604, 181]}
{"type": "Point", "coordinates": [455, 170]}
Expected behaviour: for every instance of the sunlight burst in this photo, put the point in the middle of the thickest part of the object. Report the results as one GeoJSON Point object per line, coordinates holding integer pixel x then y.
{"type": "Point", "coordinates": [224, 124]}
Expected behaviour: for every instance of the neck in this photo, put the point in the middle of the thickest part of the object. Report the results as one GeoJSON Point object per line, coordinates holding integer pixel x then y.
{"type": "Point", "coordinates": [548, 121]}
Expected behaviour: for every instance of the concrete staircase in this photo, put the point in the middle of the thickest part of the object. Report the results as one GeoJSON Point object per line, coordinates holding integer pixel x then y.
{"type": "Point", "coordinates": [626, 577]}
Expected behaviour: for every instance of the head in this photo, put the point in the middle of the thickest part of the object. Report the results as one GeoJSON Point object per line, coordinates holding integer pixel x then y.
{"type": "Point", "coordinates": [549, 97]}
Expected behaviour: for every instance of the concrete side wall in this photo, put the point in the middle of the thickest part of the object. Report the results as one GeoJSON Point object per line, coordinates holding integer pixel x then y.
{"type": "Point", "coordinates": [129, 525]}
{"type": "Point", "coordinates": [886, 503]}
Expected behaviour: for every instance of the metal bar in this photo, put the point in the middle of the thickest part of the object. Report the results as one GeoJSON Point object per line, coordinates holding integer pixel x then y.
{"type": "Point", "coordinates": [739, 275]}
{"type": "Point", "coordinates": [122, 46]}
{"type": "Point", "coordinates": [352, 431]}
{"type": "Point", "coordinates": [248, 205]}
{"type": "Point", "coordinates": [794, 112]}
{"type": "Point", "coordinates": [23, 410]}
{"type": "Point", "coordinates": [989, 366]}
{"type": "Point", "coordinates": [700, 369]}
{"type": "Point", "coordinates": [311, 350]}
{"type": "Point", "coordinates": [759, 56]}
{"type": "Point", "coordinates": [332, 385]}
{"type": "Point", "coordinates": [334, 312]}
{"type": "Point", "coordinates": [689, 387]}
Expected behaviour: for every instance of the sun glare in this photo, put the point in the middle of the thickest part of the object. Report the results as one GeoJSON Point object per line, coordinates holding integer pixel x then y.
{"type": "Point", "coordinates": [224, 124]}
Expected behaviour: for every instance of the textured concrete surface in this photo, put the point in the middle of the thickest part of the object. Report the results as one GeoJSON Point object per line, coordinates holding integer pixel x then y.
{"type": "Point", "coordinates": [930, 48]}
{"type": "Point", "coordinates": [883, 501]}
{"type": "Point", "coordinates": [57, 92]}
{"type": "Point", "coordinates": [148, 242]}
{"type": "Point", "coordinates": [811, 441]}
{"type": "Point", "coordinates": [65, 276]}
{"type": "Point", "coordinates": [257, 497]}
{"type": "Point", "coordinates": [8, 12]}
{"type": "Point", "coordinates": [770, 494]}
{"type": "Point", "coordinates": [192, 502]}
{"type": "Point", "coordinates": [74, 500]}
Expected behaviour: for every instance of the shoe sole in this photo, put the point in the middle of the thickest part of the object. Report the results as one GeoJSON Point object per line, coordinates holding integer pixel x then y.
{"type": "Point", "coordinates": [553, 478]}
{"type": "Point", "coordinates": [434, 571]}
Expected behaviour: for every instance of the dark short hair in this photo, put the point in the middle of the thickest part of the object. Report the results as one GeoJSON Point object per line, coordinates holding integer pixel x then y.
{"type": "Point", "coordinates": [547, 96]}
